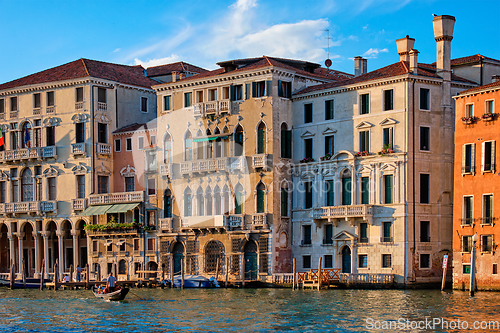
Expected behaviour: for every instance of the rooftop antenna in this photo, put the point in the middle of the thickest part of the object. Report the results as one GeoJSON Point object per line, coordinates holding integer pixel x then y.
{"type": "Point", "coordinates": [328, 62]}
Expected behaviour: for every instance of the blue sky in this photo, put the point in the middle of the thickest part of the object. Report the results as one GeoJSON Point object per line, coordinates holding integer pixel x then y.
{"type": "Point", "coordinates": [37, 35]}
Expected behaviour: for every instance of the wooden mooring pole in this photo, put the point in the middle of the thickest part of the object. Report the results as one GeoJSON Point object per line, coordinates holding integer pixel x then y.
{"type": "Point", "coordinates": [227, 270]}
{"type": "Point", "coordinates": [24, 274]}
{"type": "Point", "coordinates": [171, 262]}
{"type": "Point", "coordinates": [182, 273]}
{"type": "Point", "coordinates": [87, 277]}
{"type": "Point", "coordinates": [294, 278]}
{"type": "Point", "coordinates": [56, 275]}
{"type": "Point", "coordinates": [12, 276]}
{"type": "Point", "coordinates": [217, 269]}
{"type": "Point", "coordinates": [43, 274]}
{"type": "Point", "coordinates": [162, 275]}
{"type": "Point", "coordinates": [319, 272]}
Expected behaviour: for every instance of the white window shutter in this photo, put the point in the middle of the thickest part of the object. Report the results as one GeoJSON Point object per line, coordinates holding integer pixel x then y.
{"type": "Point", "coordinates": [463, 157]}
{"type": "Point", "coordinates": [473, 158]}
{"type": "Point", "coordinates": [482, 156]}
{"type": "Point", "coordinates": [493, 164]}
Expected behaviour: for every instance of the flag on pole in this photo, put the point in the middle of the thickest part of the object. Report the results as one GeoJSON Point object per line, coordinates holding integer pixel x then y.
{"type": "Point", "coordinates": [2, 141]}
{"type": "Point", "coordinates": [27, 139]}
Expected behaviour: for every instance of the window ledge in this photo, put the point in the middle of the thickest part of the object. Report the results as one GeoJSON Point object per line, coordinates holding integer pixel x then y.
{"type": "Point", "coordinates": [305, 245]}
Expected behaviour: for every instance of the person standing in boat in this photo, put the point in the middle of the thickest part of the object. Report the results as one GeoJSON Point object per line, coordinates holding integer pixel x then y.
{"type": "Point", "coordinates": [110, 283]}
{"type": "Point", "coordinates": [78, 273]}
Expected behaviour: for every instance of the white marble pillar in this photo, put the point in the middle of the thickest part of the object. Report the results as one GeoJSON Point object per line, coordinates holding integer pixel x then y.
{"type": "Point", "coordinates": [12, 250]}
{"type": "Point", "coordinates": [36, 239]}
{"type": "Point", "coordinates": [354, 189]}
{"type": "Point", "coordinates": [20, 236]}
{"type": "Point", "coordinates": [61, 257]}
{"type": "Point", "coordinates": [45, 235]}
{"type": "Point", "coordinates": [353, 257]}
{"type": "Point", "coordinates": [76, 250]}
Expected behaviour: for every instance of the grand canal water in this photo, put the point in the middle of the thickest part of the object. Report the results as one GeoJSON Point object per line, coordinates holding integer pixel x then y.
{"type": "Point", "coordinates": [237, 310]}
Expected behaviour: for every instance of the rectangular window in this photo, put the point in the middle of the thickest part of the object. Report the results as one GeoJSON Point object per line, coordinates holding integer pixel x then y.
{"type": "Point", "coordinates": [118, 145]}
{"type": "Point", "coordinates": [306, 236]}
{"type": "Point", "coordinates": [94, 246]}
{"type": "Point", "coordinates": [468, 158]}
{"type": "Point", "coordinates": [388, 138]}
{"type": "Point", "coordinates": [388, 100]}
{"type": "Point", "coordinates": [306, 262]}
{"type": "Point", "coordinates": [486, 243]}
{"type": "Point", "coordinates": [308, 148]}
{"type": "Point", "coordinates": [188, 99]}
{"type": "Point", "coordinates": [284, 89]}
{"type": "Point", "coordinates": [2, 105]}
{"type": "Point", "coordinates": [284, 202]}
{"type": "Point", "coordinates": [424, 99]}
{"type": "Point", "coordinates": [308, 113]}
{"type": "Point", "coordinates": [466, 243]}
{"type": "Point", "coordinates": [236, 92]}
{"type": "Point", "coordinates": [467, 211]}
{"type": "Point", "coordinates": [102, 184]}
{"type": "Point", "coordinates": [469, 110]}
{"type": "Point", "coordinates": [365, 103]}
{"type": "Point", "coordinates": [151, 186]}
{"type": "Point", "coordinates": [3, 192]}
{"type": "Point", "coordinates": [365, 190]}
{"type": "Point", "coordinates": [495, 269]}
{"type": "Point", "coordinates": [330, 201]}
{"type": "Point", "coordinates": [489, 107]}
{"type": "Point", "coordinates": [102, 133]}
{"type": "Point", "coordinates": [362, 261]}
{"type": "Point", "coordinates": [364, 141]}
{"type": "Point", "coordinates": [151, 244]}
{"type": "Point", "coordinates": [37, 101]}
{"type": "Point", "coordinates": [101, 95]}
{"type": "Point", "coordinates": [80, 132]}
{"type": "Point", "coordinates": [425, 188]}
{"type": "Point", "coordinates": [328, 261]}
{"type": "Point", "coordinates": [136, 244]}
{"type": "Point", "coordinates": [140, 142]}
{"type": "Point", "coordinates": [487, 209]}
{"type": "Point", "coordinates": [144, 104]}
{"type": "Point", "coordinates": [152, 140]}
{"type": "Point", "coordinates": [128, 144]}
{"type": "Point", "coordinates": [328, 234]}
{"type": "Point", "coordinates": [425, 231]}
{"type": "Point", "coordinates": [129, 184]}
{"type": "Point", "coordinates": [308, 195]}
{"type": "Point", "coordinates": [80, 183]}
{"type": "Point", "coordinates": [329, 111]}
{"type": "Point", "coordinates": [167, 103]}
{"type": "Point", "coordinates": [79, 94]}
{"type": "Point", "coordinates": [212, 94]}
{"type": "Point", "coordinates": [386, 261]}
{"type": "Point", "coordinates": [13, 104]}
{"type": "Point", "coordinates": [387, 232]}
{"type": "Point", "coordinates": [286, 143]}
{"type": "Point", "coordinates": [488, 159]}
{"type": "Point", "coordinates": [363, 232]}
{"type": "Point", "coordinates": [388, 189]}
{"type": "Point", "coordinates": [51, 136]}
{"type": "Point", "coordinates": [466, 269]}
{"type": "Point", "coordinates": [329, 145]}
{"type": "Point", "coordinates": [50, 98]}
{"type": "Point", "coordinates": [259, 89]}
{"type": "Point", "coordinates": [51, 182]}
{"type": "Point", "coordinates": [425, 260]}
{"type": "Point", "coordinates": [247, 91]}
{"type": "Point", "coordinates": [425, 138]}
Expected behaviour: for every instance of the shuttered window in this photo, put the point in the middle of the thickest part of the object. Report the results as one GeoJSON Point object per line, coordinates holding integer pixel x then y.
{"type": "Point", "coordinates": [284, 202]}
{"type": "Point", "coordinates": [468, 156]}
{"type": "Point", "coordinates": [488, 156]}
{"type": "Point", "coordinates": [365, 190]}
{"type": "Point", "coordinates": [388, 188]}
{"type": "Point", "coordinates": [286, 143]}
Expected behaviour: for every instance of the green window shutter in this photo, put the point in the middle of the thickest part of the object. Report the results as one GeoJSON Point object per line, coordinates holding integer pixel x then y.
{"type": "Point", "coordinates": [260, 201]}
{"type": "Point", "coordinates": [284, 202]}
{"type": "Point", "coordinates": [280, 89]}
{"type": "Point", "coordinates": [269, 88]}
{"type": "Point", "coordinates": [247, 90]}
{"type": "Point", "coordinates": [232, 93]}
{"type": "Point", "coordinates": [283, 143]}
{"type": "Point", "coordinates": [289, 90]}
{"type": "Point", "coordinates": [365, 187]}
{"type": "Point", "coordinates": [254, 89]}
{"type": "Point", "coordinates": [288, 144]}
{"type": "Point", "coordinates": [261, 141]}
{"type": "Point", "coordinates": [388, 189]}
{"type": "Point", "coordinates": [346, 191]}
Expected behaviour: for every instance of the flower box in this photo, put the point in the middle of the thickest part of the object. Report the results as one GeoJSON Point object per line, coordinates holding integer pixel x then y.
{"type": "Point", "coordinates": [307, 160]}
{"type": "Point", "coordinates": [469, 120]}
{"type": "Point", "coordinates": [386, 151]}
{"type": "Point", "coordinates": [362, 153]}
{"type": "Point", "coordinates": [488, 116]}
{"type": "Point", "coordinates": [326, 157]}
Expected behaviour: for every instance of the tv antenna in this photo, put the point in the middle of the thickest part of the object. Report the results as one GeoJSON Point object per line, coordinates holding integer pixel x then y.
{"type": "Point", "coordinates": [328, 62]}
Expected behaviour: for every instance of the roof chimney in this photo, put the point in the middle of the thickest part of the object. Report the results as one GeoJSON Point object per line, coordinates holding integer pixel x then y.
{"type": "Point", "coordinates": [413, 54]}
{"type": "Point", "coordinates": [443, 34]}
{"type": "Point", "coordinates": [359, 66]}
{"type": "Point", "coordinates": [495, 78]}
{"type": "Point", "coordinates": [174, 76]}
{"type": "Point", "coordinates": [404, 46]}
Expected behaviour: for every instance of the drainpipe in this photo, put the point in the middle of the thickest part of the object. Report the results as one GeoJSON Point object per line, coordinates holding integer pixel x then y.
{"type": "Point", "coordinates": [413, 171]}
{"type": "Point", "coordinates": [92, 145]}
{"type": "Point", "coordinates": [481, 72]}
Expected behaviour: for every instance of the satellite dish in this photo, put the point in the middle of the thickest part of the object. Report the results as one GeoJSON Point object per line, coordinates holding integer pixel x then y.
{"type": "Point", "coordinates": [328, 62]}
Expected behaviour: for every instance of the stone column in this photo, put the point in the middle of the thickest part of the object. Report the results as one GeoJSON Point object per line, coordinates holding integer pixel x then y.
{"type": "Point", "coordinates": [36, 238]}
{"type": "Point", "coordinates": [353, 257]}
{"type": "Point", "coordinates": [76, 250]}
{"type": "Point", "coordinates": [354, 190]}
{"type": "Point", "coordinates": [12, 249]}
{"type": "Point", "coordinates": [61, 249]}
{"type": "Point", "coordinates": [20, 236]}
{"type": "Point", "coordinates": [45, 235]}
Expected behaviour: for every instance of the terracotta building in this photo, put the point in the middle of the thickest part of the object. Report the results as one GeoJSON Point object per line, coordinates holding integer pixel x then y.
{"type": "Point", "coordinates": [475, 210]}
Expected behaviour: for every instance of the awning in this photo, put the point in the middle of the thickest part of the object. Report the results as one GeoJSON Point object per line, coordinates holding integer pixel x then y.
{"type": "Point", "coordinates": [122, 208]}
{"type": "Point", "coordinates": [108, 242]}
{"type": "Point", "coordinates": [222, 136]}
{"type": "Point", "coordinates": [96, 210]}
{"type": "Point", "coordinates": [120, 242]}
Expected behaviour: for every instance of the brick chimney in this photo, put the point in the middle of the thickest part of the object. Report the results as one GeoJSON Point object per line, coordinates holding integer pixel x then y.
{"type": "Point", "coordinates": [174, 76]}
{"type": "Point", "coordinates": [404, 46]}
{"type": "Point", "coordinates": [359, 66]}
{"type": "Point", "coordinates": [413, 54]}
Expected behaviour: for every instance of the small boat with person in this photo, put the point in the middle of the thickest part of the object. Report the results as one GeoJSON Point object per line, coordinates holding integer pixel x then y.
{"type": "Point", "coordinates": [117, 295]}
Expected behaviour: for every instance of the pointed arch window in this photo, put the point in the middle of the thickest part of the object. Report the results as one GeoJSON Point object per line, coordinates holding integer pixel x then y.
{"type": "Point", "coordinates": [218, 144]}
{"type": "Point", "coordinates": [208, 201]}
{"type": "Point", "coordinates": [167, 204]}
{"type": "Point", "coordinates": [27, 185]}
{"type": "Point", "coordinates": [199, 146]}
{"type": "Point", "coordinates": [217, 201]}
{"type": "Point", "coordinates": [167, 149]}
{"type": "Point", "coordinates": [261, 189]}
{"type": "Point", "coordinates": [261, 138]}
{"type": "Point", "coordinates": [286, 142]}
{"type": "Point", "coordinates": [238, 199]}
{"type": "Point", "coordinates": [238, 141]}
{"type": "Point", "coordinates": [200, 202]}
{"type": "Point", "coordinates": [225, 208]}
{"type": "Point", "coordinates": [188, 152]}
{"type": "Point", "coordinates": [225, 142]}
{"type": "Point", "coordinates": [209, 146]}
{"type": "Point", "coordinates": [187, 202]}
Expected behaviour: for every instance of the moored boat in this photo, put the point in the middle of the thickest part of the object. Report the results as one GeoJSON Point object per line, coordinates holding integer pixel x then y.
{"type": "Point", "coordinates": [30, 283]}
{"type": "Point", "coordinates": [116, 295]}
{"type": "Point", "coordinates": [194, 281]}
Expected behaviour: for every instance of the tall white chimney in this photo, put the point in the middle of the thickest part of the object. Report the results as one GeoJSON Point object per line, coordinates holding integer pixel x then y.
{"type": "Point", "coordinates": [404, 46]}
{"type": "Point", "coordinates": [413, 54]}
{"type": "Point", "coordinates": [443, 34]}
{"type": "Point", "coordinates": [359, 66]}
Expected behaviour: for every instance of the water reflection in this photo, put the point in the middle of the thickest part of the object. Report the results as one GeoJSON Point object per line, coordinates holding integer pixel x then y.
{"type": "Point", "coordinates": [243, 310]}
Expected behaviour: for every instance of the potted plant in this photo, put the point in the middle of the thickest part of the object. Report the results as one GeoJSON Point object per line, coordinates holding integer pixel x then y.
{"type": "Point", "coordinates": [469, 120]}
{"type": "Point", "coordinates": [386, 150]}
{"type": "Point", "coordinates": [488, 116]}
{"type": "Point", "coordinates": [307, 160]}
{"type": "Point", "coordinates": [362, 153]}
{"type": "Point", "coordinates": [326, 157]}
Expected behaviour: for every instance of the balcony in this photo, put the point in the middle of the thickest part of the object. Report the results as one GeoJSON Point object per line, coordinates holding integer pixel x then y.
{"type": "Point", "coordinates": [24, 154]}
{"type": "Point", "coordinates": [215, 108]}
{"type": "Point", "coordinates": [50, 109]}
{"type": "Point", "coordinates": [467, 222]}
{"type": "Point", "coordinates": [234, 221]}
{"type": "Point", "coordinates": [363, 240]}
{"type": "Point", "coordinates": [104, 149]}
{"type": "Point", "coordinates": [344, 212]}
{"type": "Point", "coordinates": [49, 152]}
{"type": "Point", "coordinates": [37, 111]}
{"type": "Point", "coordinates": [208, 165]}
{"type": "Point", "coordinates": [487, 220]}
{"type": "Point", "coordinates": [386, 240]}
{"type": "Point", "coordinates": [166, 169]}
{"type": "Point", "coordinates": [78, 148]}
{"type": "Point", "coordinates": [79, 106]}
{"type": "Point", "coordinates": [119, 197]}
{"type": "Point", "coordinates": [166, 224]}
{"type": "Point", "coordinates": [29, 207]}
{"type": "Point", "coordinates": [259, 220]}
{"type": "Point", "coordinates": [13, 114]}
{"type": "Point", "coordinates": [203, 222]}
{"type": "Point", "coordinates": [78, 204]}
{"type": "Point", "coordinates": [261, 161]}
{"type": "Point", "coordinates": [102, 106]}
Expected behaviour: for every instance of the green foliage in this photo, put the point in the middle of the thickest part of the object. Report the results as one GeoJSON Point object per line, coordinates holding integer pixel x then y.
{"type": "Point", "coordinates": [111, 226]}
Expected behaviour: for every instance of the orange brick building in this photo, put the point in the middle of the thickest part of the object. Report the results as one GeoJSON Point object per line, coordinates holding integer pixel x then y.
{"type": "Point", "coordinates": [477, 187]}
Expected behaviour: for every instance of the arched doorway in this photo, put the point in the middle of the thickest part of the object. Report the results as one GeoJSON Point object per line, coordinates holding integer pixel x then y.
{"type": "Point", "coordinates": [81, 254]}
{"type": "Point", "coordinates": [214, 250]}
{"type": "Point", "coordinates": [152, 266]}
{"type": "Point", "coordinates": [67, 246]}
{"type": "Point", "coordinates": [346, 259]}
{"type": "Point", "coordinates": [28, 249]}
{"type": "Point", "coordinates": [178, 254]}
{"type": "Point", "coordinates": [250, 260]}
{"type": "Point", "coordinates": [52, 250]}
{"type": "Point", "coordinates": [4, 249]}
{"type": "Point", "coordinates": [122, 267]}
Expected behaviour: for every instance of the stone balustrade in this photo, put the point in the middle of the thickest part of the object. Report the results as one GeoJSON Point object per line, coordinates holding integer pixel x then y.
{"type": "Point", "coordinates": [260, 161]}
{"type": "Point", "coordinates": [23, 154]}
{"type": "Point", "coordinates": [118, 197]}
{"type": "Point", "coordinates": [343, 212]}
{"type": "Point", "coordinates": [205, 109]}
{"type": "Point", "coordinates": [78, 204]}
{"type": "Point", "coordinates": [78, 148]}
{"type": "Point", "coordinates": [103, 149]}
{"type": "Point", "coordinates": [27, 207]}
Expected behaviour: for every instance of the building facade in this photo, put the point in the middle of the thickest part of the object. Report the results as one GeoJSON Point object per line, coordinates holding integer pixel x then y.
{"type": "Point", "coordinates": [474, 211]}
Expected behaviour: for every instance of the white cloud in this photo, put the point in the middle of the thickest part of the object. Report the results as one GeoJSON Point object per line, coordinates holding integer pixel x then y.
{"type": "Point", "coordinates": [156, 62]}
{"type": "Point", "coordinates": [372, 53]}
{"type": "Point", "coordinates": [117, 50]}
